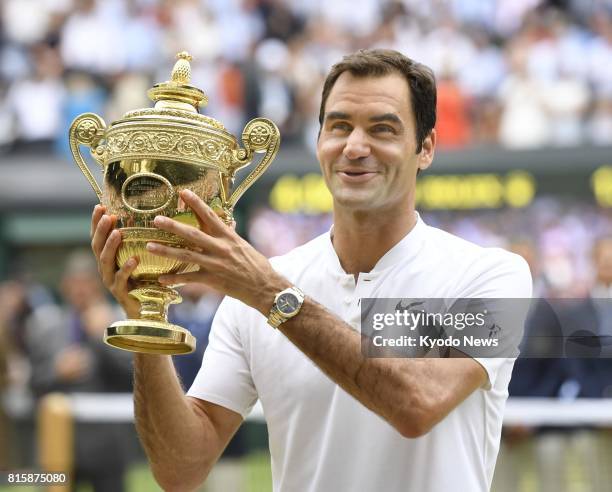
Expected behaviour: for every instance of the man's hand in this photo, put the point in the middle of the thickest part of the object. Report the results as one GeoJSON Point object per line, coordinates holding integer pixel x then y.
{"type": "Point", "coordinates": [72, 364]}
{"type": "Point", "coordinates": [95, 320]}
{"type": "Point", "coordinates": [227, 262]}
{"type": "Point", "coordinates": [105, 241]}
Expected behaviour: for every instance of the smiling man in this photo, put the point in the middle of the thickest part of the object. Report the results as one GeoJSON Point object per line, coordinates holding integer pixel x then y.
{"type": "Point", "coordinates": [287, 332]}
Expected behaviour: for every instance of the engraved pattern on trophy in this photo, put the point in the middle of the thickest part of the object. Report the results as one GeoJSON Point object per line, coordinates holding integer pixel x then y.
{"type": "Point", "coordinates": [158, 142]}
{"type": "Point", "coordinates": [148, 157]}
{"type": "Point", "coordinates": [177, 113]}
{"type": "Point", "coordinates": [146, 193]}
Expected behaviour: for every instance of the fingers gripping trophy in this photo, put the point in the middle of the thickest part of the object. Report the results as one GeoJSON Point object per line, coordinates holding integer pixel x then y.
{"type": "Point", "coordinates": [148, 157]}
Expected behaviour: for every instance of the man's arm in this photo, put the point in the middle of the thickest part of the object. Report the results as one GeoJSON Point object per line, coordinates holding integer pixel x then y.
{"type": "Point", "coordinates": [182, 436]}
{"type": "Point", "coordinates": [412, 395]}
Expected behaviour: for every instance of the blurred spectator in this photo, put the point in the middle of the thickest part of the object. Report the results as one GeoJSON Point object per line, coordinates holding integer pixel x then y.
{"type": "Point", "coordinates": [92, 41]}
{"type": "Point", "coordinates": [599, 129]}
{"type": "Point", "coordinates": [67, 354]}
{"type": "Point", "coordinates": [599, 53]}
{"type": "Point", "coordinates": [520, 73]}
{"type": "Point", "coordinates": [566, 100]}
{"type": "Point", "coordinates": [5, 348]}
{"type": "Point", "coordinates": [17, 301]}
{"type": "Point", "coordinates": [452, 127]}
{"type": "Point", "coordinates": [276, 101]}
{"type": "Point", "coordinates": [524, 121]}
{"type": "Point", "coordinates": [538, 372]}
{"type": "Point", "coordinates": [142, 37]}
{"type": "Point", "coordinates": [82, 95]}
{"type": "Point", "coordinates": [228, 102]}
{"type": "Point", "coordinates": [281, 23]}
{"type": "Point", "coordinates": [593, 316]}
{"type": "Point", "coordinates": [589, 377]}
{"type": "Point", "coordinates": [240, 27]}
{"type": "Point", "coordinates": [509, 14]}
{"type": "Point", "coordinates": [447, 48]}
{"type": "Point", "coordinates": [602, 259]}
{"type": "Point", "coordinates": [192, 27]}
{"type": "Point", "coordinates": [25, 22]}
{"type": "Point", "coordinates": [129, 92]}
{"type": "Point", "coordinates": [7, 131]}
{"type": "Point", "coordinates": [36, 101]}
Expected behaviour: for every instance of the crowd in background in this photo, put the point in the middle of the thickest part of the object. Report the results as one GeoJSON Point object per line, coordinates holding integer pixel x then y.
{"type": "Point", "coordinates": [560, 235]}
{"type": "Point", "coordinates": [51, 340]}
{"type": "Point", "coordinates": [518, 73]}
{"type": "Point", "coordinates": [514, 73]}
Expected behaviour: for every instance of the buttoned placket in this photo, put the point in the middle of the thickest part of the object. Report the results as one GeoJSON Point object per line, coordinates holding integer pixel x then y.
{"type": "Point", "coordinates": [359, 290]}
{"type": "Point", "coordinates": [347, 284]}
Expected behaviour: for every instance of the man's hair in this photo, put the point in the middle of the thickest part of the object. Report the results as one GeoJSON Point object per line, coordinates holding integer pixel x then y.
{"type": "Point", "coordinates": [377, 63]}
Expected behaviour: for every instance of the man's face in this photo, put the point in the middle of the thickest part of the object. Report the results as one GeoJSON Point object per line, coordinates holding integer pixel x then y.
{"type": "Point", "coordinates": [81, 289]}
{"type": "Point", "coordinates": [367, 146]}
{"type": "Point", "coordinates": [603, 261]}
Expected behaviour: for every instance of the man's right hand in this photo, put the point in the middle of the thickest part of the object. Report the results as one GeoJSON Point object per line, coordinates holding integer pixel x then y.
{"type": "Point", "coordinates": [105, 241]}
{"type": "Point", "coordinates": [72, 364]}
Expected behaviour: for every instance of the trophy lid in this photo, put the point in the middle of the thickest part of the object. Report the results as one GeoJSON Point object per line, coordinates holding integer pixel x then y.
{"type": "Point", "coordinates": [174, 131]}
{"type": "Point", "coordinates": [177, 98]}
{"type": "Point", "coordinates": [177, 89]}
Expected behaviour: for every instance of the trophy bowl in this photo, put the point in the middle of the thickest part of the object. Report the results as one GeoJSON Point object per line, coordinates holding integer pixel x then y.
{"type": "Point", "coordinates": [148, 157]}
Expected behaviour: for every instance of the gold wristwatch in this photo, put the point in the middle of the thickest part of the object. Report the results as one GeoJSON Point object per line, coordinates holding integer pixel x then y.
{"type": "Point", "coordinates": [287, 304]}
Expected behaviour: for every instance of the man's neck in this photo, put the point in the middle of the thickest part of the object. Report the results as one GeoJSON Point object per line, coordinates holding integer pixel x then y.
{"type": "Point", "coordinates": [361, 239]}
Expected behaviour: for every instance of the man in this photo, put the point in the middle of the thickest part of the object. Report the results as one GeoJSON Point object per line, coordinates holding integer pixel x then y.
{"type": "Point", "coordinates": [336, 419]}
{"type": "Point", "coordinates": [66, 354]}
{"type": "Point", "coordinates": [591, 372]}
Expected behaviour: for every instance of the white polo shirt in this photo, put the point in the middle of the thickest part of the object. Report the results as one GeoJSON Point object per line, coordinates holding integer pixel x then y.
{"type": "Point", "coordinates": [321, 438]}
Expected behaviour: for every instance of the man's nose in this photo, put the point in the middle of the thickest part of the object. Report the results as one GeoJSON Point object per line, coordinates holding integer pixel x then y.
{"type": "Point", "coordinates": [357, 145]}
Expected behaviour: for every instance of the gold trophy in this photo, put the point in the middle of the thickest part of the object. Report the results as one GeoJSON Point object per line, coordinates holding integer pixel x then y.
{"type": "Point", "coordinates": [147, 157]}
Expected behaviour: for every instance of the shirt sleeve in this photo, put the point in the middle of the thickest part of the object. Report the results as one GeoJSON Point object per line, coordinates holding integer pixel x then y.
{"type": "Point", "coordinates": [225, 376]}
{"type": "Point", "coordinates": [504, 277]}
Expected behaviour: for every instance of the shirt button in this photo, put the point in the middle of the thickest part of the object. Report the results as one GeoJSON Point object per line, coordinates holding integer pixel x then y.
{"type": "Point", "coordinates": [347, 300]}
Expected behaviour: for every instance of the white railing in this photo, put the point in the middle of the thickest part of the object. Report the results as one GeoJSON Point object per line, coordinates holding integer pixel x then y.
{"type": "Point", "coordinates": [119, 407]}
{"type": "Point", "coordinates": [519, 411]}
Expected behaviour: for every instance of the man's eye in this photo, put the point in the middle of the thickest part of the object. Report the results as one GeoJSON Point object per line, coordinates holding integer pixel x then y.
{"type": "Point", "coordinates": [383, 129]}
{"type": "Point", "coordinates": [340, 126]}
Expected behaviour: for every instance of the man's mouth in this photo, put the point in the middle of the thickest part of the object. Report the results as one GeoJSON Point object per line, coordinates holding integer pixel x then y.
{"type": "Point", "coordinates": [354, 176]}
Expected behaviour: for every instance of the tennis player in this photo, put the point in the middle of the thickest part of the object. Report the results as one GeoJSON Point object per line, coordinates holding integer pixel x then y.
{"type": "Point", "coordinates": [287, 332]}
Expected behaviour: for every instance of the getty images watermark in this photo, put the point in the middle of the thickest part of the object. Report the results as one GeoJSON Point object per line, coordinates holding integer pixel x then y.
{"type": "Point", "coordinates": [485, 327]}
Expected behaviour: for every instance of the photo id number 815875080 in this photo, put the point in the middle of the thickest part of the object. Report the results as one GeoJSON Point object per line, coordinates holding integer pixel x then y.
{"type": "Point", "coordinates": [30, 477]}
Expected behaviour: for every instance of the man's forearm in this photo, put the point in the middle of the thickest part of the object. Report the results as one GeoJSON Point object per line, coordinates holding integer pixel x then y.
{"type": "Point", "coordinates": [410, 394]}
{"type": "Point", "coordinates": [178, 442]}
{"type": "Point", "coordinates": [336, 348]}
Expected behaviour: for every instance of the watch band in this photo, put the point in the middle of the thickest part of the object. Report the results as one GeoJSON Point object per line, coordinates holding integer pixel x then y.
{"type": "Point", "coordinates": [276, 317]}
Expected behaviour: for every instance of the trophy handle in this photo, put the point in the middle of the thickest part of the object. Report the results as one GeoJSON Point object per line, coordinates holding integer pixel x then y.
{"type": "Point", "coordinates": [258, 135]}
{"type": "Point", "coordinates": [87, 129]}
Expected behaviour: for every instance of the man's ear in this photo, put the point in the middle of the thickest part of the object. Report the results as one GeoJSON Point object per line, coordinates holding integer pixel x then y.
{"type": "Point", "coordinates": [425, 157]}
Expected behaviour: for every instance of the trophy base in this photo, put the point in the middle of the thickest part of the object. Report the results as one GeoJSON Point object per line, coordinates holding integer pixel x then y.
{"type": "Point", "coordinates": [149, 337]}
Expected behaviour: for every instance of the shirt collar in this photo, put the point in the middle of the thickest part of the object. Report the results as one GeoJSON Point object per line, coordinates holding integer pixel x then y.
{"type": "Point", "coordinates": [407, 248]}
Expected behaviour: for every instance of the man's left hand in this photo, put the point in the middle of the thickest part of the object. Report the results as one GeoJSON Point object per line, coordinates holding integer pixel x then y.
{"type": "Point", "coordinates": [227, 262]}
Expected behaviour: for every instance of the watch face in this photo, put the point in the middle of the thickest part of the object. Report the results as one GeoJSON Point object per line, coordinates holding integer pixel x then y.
{"type": "Point", "coordinates": [287, 303]}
